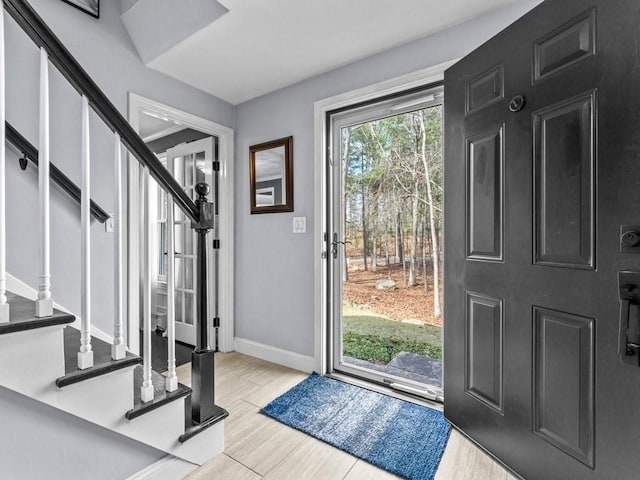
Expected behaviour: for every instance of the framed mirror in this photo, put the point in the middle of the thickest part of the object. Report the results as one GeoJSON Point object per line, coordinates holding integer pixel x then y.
{"type": "Point", "coordinates": [271, 176]}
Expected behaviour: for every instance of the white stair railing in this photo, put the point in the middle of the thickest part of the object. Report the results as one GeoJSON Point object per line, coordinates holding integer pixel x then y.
{"type": "Point", "coordinates": [44, 303]}
{"type": "Point", "coordinates": [85, 355]}
{"type": "Point", "coordinates": [172, 378]}
{"type": "Point", "coordinates": [118, 349]}
{"type": "Point", "coordinates": [200, 213]}
{"type": "Point", "coordinates": [146, 391]}
{"type": "Point", "coordinates": [4, 306]}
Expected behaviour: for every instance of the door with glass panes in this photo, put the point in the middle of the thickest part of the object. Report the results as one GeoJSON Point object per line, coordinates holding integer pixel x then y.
{"type": "Point", "coordinates": [190, 164]}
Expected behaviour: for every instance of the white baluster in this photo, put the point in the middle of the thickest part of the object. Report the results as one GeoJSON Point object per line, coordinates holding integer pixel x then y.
{"type": "Point", "coordinates": [146, 391]}
{"type": "Point", "coordinates": [4, 306]}
{"type": "Point", "coordinates": [85, 355]}
{"type": "Point", "coordinates": [44, 303]}
{"type": "Point", "coordinates": [172, 378]}
{"type": "Point", "coordinates": [118, 349]}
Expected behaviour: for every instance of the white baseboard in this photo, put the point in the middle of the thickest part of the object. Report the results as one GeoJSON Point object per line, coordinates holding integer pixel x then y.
{"type": "Point", "coordinates": [167, 468]}
{"type": "Point", "coordinates": [20, 288]}
{"type": "Point", "coordinates": [271, 354]}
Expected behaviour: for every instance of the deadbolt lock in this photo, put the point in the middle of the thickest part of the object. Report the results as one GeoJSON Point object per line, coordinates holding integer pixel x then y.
{"type": "Point", "coordinates": [630, 238]}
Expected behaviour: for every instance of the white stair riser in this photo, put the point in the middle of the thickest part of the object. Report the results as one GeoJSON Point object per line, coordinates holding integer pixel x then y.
{"type": "Point", "coordinates": [102, 400]}
{"type": "Point", "coordinates": [159, 428]}
{"type": "Point", "coordinates": [204, 446]}
{"type": "Point", "coordinates": [30, 361]}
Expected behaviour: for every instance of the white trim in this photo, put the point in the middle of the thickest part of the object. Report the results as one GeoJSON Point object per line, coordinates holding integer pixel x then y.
{"type": "Point", "coordinates": [167, 468]}
{"type": "Point", "coordinates": [163, 133]}
{"type": "Point", "coordinates": [425, 76]}
{"type": "Point", "coordinates": [225, 135]}
{"type": "Point", "coordinates": [271, 354]}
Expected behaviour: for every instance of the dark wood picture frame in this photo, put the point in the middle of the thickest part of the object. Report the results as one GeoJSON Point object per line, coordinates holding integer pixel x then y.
{"type": "Point", "coordinates": [91, 7]}
{"type": "Point", "coordinates": [271, 176]}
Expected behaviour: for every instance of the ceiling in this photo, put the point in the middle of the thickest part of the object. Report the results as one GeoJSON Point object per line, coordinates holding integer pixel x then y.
{"type": "Point", "coordinates": [259, 46]}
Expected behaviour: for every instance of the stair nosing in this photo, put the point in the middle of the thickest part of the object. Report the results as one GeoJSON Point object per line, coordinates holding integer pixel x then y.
{"type": "Point", "coordinates": [143, 408]}
{"type": "Point", "coordinates": [97, 371]}
{"type": "Point", "coordinates": [35, 323]}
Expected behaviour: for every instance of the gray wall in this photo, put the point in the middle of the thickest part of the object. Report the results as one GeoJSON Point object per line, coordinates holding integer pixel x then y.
{"type": "Point", "coordinates": [61, 446]}
{"type": "Point", "coordinates": [105, 51]}
{"type": "Point", "coordinates": [274, 267]}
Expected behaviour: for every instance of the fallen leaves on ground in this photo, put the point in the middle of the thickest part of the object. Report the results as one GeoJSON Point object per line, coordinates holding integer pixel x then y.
{"type": "Point", "coordinates": [400, 303]}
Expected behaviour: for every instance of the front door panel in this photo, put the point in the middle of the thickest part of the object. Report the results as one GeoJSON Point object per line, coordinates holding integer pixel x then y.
{"type": "Point", "coordinates": [542, 168]}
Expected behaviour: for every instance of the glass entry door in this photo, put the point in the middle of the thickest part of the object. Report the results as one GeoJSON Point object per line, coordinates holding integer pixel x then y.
{"type": "Point", "coordinates": [190, 164]}
{"type": "Point", "coordinates": [384, 238]}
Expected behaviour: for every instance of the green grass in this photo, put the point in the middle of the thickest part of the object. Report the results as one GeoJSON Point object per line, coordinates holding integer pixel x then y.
{"type": "Point", "coordinates": [366, 337]}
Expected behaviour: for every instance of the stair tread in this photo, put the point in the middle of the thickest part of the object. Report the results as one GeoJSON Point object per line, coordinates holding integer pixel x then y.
{"type": "Point", "coordinates": [160, 394]}
{"type": "Point", "coordinates": [102, 361]}
{"type": "Point", "coordinates": [22, 316]}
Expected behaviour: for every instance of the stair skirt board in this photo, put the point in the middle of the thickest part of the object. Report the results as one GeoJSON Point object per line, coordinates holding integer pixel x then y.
{"type": "Point", "coordinates": [39, 441]}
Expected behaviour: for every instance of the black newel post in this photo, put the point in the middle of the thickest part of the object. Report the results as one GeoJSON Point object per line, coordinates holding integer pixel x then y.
{"type": "Point", "coordinates": [202, 398]}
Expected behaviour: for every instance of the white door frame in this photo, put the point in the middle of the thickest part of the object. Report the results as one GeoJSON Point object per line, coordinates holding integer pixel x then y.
{"type": "Point", "coordinates": [321, 108]}
{"type": "Point", "coordinates": [138, 105]}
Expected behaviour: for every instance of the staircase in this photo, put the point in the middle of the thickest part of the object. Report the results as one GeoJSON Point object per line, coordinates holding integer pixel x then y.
{"type": "Point", "coordinates": [42, 355]}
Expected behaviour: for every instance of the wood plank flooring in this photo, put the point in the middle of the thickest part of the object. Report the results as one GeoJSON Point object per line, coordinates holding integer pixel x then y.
{"type": "Point", "coordinates": [257, 447]}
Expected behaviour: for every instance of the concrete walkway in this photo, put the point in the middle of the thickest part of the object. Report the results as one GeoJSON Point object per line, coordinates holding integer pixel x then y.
{"type": "Point", "coordinates": [411, 366]}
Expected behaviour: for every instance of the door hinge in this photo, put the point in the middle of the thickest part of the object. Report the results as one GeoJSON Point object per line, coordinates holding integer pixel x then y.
{"type": "Point", "coordinates": [216, 166]}
{"type": "Point", "coordinates": [216, 244]}
{"type": "Point", "coordinates": [216, 322]}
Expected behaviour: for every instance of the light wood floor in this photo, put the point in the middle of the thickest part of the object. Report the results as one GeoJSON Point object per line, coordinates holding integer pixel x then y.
{"type": "Point", "coordinates": [257, 447]}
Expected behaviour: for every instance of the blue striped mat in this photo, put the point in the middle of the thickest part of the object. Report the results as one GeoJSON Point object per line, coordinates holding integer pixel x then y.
{"type": "Point", "coordinates": [400, 437]}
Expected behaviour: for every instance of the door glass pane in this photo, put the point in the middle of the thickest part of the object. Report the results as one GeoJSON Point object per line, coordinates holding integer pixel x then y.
{"type": "Point", "coordinates": [187, 240]}
{"type": "Point", "coordinates": [179, 304]}
{"type": "Point", "coordinates": [189, 304]}
{"type": "Point", "coordinates": [162, 248]}
{"type": "Point", "coordinates": [188, 169]}
{"type": "Point", "coordinates": [179, 239]}
{"type": "Point", "coordinates": [188, 273]}
{"type": "Point", "coordinates": [179, 215]}
{"type": "Point", "coordinates": [179, 281]}
{"type": "Point", "coordinates": [200, 167]}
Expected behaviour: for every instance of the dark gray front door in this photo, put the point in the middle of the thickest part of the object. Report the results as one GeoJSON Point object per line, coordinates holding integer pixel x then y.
{"type": "Point", "coordinates": [542, 168]}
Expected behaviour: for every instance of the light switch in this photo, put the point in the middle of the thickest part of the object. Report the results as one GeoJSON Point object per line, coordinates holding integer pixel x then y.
{"type": "Point", "coordinates": [299, 224]}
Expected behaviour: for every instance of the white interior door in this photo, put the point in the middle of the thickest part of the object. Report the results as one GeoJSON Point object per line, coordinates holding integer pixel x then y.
{"type": "Point", "coordinates": [190, 163]}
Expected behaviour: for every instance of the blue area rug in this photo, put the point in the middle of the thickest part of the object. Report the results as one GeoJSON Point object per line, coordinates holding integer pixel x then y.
{"type": "Point", "coordinates": [400, 437]}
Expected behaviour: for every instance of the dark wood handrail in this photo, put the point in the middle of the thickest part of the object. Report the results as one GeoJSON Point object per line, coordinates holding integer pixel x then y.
{"type": "Point", "coordinates": [42, 36]}
{"type": "Point", "coordinates": [31, 153]}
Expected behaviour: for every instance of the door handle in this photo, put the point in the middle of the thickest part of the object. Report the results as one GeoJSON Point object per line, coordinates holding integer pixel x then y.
{"type": "Point", "coordinates": [629, 329]}
{"type": "Point", "coordinates": [335, 243]}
